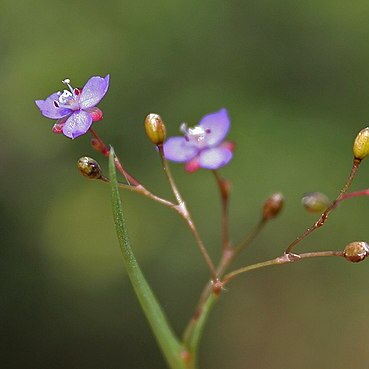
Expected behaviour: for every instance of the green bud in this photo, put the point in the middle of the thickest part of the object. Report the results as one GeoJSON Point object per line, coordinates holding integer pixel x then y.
{"type": "Point", "coordinates": [155, 129]}
{"type": "Point", "coordinates": [89, 167]}
{"type": "Point", "coordinates": [361, 144]}
{"type": "Point", "coordinates": [315, 202]}
{"type": "Point", "coordinates": [356, 251]}
{"type": "Point", "coordinates": [272, 206]}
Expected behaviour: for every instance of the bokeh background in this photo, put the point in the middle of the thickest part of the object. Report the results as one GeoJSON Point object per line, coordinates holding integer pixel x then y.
{"type": "Point", "coordinates": [295, 79]}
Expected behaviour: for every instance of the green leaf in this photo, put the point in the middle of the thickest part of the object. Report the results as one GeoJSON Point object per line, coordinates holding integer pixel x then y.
{"type": "Point", "coordinates": [168, 342]}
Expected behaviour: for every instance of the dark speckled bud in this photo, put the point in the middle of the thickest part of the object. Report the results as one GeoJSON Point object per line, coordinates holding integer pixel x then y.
{"type": "Point", "coordinates": [356, 251]}
{"type": "Point", "coordinates": [89, 168]}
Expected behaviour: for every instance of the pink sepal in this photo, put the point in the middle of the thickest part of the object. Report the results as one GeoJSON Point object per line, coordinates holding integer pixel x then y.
{"type": "Point", "coordinates": [230, 145]}
{"type": "Point", "coordinates": [96, 114]}
{"type": "Point", "coordinates": [192, 165]}
{"type": "Point", "coordinates": [58, 128]}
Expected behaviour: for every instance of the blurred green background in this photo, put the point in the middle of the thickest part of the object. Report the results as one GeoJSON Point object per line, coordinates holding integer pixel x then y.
{"type": "Point", "coordinates": [295, 79]}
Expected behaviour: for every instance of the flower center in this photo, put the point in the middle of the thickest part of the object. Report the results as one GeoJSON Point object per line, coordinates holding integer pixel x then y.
{"type": "Point", "coordinates": [68, 99]}
{"type": "Point", "coordinates": [195, 135]}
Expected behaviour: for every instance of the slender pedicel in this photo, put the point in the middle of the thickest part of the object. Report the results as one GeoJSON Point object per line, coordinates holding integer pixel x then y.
{"type": "Point", "coordinates": [320, 222]}
{"type": "Point", "coordinates": [100, 146]}
{"type": "Point", "coordinates": [224, 191]}
{"type": "Point", "coordinates": [284, 259]}
{"type": "Point", "coordinates": [186, 215]}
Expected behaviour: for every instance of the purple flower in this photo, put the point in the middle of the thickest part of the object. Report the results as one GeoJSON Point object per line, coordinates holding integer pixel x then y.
{"type": "Point", "coordinates": [202, 146]}
{"type": "Point", "coordinates": [75, 109]}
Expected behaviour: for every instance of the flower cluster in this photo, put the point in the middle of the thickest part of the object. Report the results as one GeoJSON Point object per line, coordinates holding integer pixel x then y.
{"type": "Point", "coordinates": [201, 146]}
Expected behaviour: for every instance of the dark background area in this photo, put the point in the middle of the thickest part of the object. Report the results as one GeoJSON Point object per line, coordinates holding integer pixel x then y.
{"type": "Point", "coordinates": [295, 79]}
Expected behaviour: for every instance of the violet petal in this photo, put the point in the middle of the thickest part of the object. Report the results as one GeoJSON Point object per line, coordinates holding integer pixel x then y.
{"type": "Point", "coordinates": [215, 157]}
{"type": "Point", "coordinates": [48, 108]}
{"type": "Point", "coordinates": [77, 124]}
{"type": "Point", "coordinates": [93, 91]}
{"type": "Point", "coordinates": [218, 124]}
{"type": "Point", "coordinates": [178, 149]}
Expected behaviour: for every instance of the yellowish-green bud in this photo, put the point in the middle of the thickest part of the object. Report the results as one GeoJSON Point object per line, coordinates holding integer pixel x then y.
{"type": "Point", "coordinates": [315, 202]}
{"type": "Point", "coordinates": [89, 167]}
{"type": "Point", "coordinates": [155, 129]}
{"type": "Point", "coordinates": [272, 206]}
{"type": "Point", "coordinates": [356, 251]}
{"type": "Point", "coordinates": [361, 144]}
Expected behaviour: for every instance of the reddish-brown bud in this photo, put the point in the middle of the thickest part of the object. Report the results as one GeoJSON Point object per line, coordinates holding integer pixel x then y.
{"type": "Point", "coordinates": [272, 206]}
{"type": "Point", "coordinates": [356, 251]}
{"type": "Point", "coordinates": [89, 168]}
{"type": "Point", "coordinates": [155, 129]}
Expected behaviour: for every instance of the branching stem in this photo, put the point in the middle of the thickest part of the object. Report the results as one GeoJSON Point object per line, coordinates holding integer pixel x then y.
{"type": "Point", "coordinates": [104, 149]}
{"type": "Point", "coordinates": [284, 259]}
{"type": "Point", "coordinates": [134, 185]}
{"type": "Point", "coordinates": [182, 209]}
{"type": "Point", "coordinates": [320, 222]}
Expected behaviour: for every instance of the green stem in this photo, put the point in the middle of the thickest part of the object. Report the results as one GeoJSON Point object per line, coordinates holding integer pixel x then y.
{"type": "Point", "coordinates": [199, 322]}
{"type": "Point", "coordinates": [168, 342]}
{"type": "Point", "coordinates": [170, 178]}
{"type": "Point", "coordinates": [228, 256]}
{"type": "Point", "coordinates": [195, 328]}
{"type": "Point", "coordinates": [284, 259]}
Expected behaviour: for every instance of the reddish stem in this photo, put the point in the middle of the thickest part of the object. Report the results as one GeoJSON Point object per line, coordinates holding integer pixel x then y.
{"type": "Point", "coordinates": [223, 187]}
{"type": "Point", "coordinates": [99, 145]}
{"type": "Point", "coordinates": [355, 194]}
{"type": "Point", "coordinates": [320, 222]}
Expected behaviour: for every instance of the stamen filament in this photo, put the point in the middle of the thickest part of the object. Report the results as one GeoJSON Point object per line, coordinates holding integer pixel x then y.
{"type": "Point", "coordinates": [67, 83]}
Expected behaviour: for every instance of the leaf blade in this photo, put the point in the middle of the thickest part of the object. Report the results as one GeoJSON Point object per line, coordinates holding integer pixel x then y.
{"type": "Point", "coordinates": [168, 342]}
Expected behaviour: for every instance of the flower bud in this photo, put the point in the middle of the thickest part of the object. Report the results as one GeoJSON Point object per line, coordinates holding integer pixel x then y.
{"type": "Point", "coordinates": [356, 251]}
{"type": "Point", "coordinates": [272, 206]}
{"type": "Point", "coordinates": [155, 129]}
{"type": "Point", "coordinates": [315, 202]}
{"type": "Point", "coordinates": [89, 168]}
{"type": "Point", "coordinates": [361, 144]}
